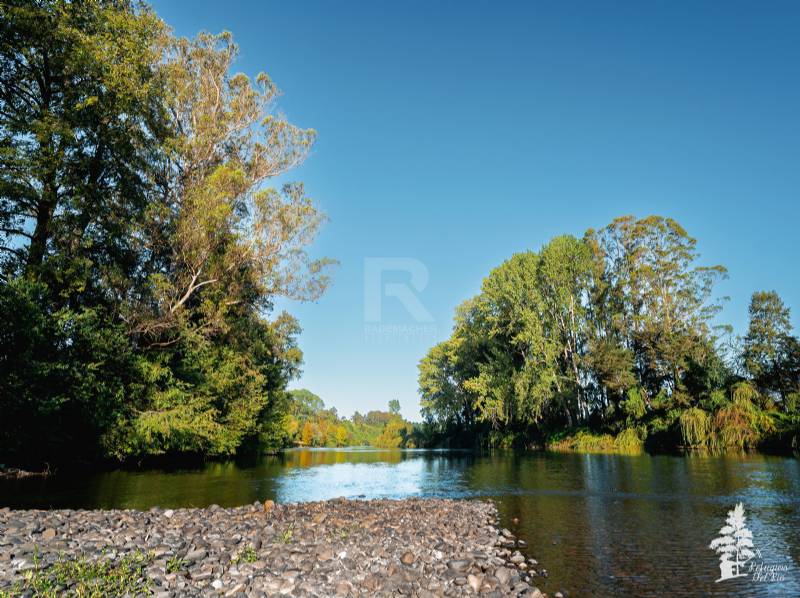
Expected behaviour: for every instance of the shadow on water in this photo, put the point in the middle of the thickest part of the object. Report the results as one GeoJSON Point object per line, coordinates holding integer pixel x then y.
{"type": "Point", "coordinates": [603, 525]}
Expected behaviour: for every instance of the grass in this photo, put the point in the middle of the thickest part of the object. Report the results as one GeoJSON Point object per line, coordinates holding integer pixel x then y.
{"type": "Point", "coordinates": [247, 554]}
{"type": "Point", "coordinates": [175, 564]}
{"type": "Point", "coordinates": [84, 578]}
{"type": "Point", "coordinates": [288, 533]}
{"type": "Point", "coordinates": [342, 533]}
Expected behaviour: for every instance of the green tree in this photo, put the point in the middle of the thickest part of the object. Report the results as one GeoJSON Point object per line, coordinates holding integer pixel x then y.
{"type": "Point", "coordinates": [612, 331]}
{"type": "Point", "coordinates": [139, 236]}
{"type": "Point", "coordinates": [651, 299]}
{"type": "Point", "coordinates": [394, 407]}
{"type": "Point", "coordinates": [770, 352]}
{"type": "Point", "coordinates": [80, 120]}
{"type": "Point", "coordinates": [81, 125]}
{"type": "Point", "coordinates": [223, 246]}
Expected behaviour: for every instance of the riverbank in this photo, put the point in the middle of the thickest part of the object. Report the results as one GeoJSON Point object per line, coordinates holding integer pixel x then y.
{"type": "Point", "coordinates": [419, 547]}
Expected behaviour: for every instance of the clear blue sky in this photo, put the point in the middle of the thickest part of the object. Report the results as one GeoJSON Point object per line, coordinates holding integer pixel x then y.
{"type": "Point", "coordinates": [457, 133]}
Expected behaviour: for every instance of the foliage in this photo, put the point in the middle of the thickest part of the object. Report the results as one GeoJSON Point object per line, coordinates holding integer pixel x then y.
{"type": "Point", "coordinates": [311, 424]}
{"type": "Point", "coordinates": [695, 427]}
{"type": "Point", "coordinates": [770, 355]}
{"type": "Point", "coordinates": [175, 564]}
{"type": "Point", "coordinates": [247, 554]}
{"type": "Point", "coordinates": [608, 342]}
{"type": "Point", "coordinates": [85, 578]}
{"type": "Point", "coordinates": [626, 442]}
{"type": "Point", "coordinates": [140, 244]}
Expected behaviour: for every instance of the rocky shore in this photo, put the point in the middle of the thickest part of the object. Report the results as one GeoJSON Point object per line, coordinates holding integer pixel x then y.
{"type": "Point", "coordinates": [414, 547]}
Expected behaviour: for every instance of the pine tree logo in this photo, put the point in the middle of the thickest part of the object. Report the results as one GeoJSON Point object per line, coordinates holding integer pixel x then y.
{"type": "Point", "coordinates": [733, 545]}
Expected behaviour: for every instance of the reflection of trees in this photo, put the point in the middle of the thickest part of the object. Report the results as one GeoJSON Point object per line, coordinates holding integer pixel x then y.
{"type": "Point", "coordinates": [314, 457]}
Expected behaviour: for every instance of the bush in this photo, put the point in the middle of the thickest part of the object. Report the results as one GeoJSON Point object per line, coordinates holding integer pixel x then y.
{"type": "Point", "coordinates": [695, 427]}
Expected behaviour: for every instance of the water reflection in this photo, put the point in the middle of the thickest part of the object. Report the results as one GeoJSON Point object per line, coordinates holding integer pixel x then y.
{"type": "Point", "coordinates": [603, 525]}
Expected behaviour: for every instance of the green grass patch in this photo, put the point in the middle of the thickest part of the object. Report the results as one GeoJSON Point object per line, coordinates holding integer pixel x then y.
{"type": "Point", "coordinates": [175, 564]}
{"type": "Point", "coordinates": [84, 578]}
{"type": "Point", "coordinates": [247, 554]}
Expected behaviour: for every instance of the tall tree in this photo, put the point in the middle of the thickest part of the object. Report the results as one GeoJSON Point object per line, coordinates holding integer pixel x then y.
{"type": "Point", "coordinates": [769, 352]}
{"type": "Point", "coordinates": [652, 299]}
{"type": "Point", "coordinates": [81, 120]}
{"type": "Point", "coordinates": [221, 247]}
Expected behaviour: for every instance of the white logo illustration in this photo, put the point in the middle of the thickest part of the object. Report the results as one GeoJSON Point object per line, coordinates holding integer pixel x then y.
{"type": "Point", "coordinates": [734, 545]}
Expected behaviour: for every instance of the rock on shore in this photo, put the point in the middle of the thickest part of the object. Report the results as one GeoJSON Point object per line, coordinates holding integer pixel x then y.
{"type": "Point", "coordinates": [415, 547]}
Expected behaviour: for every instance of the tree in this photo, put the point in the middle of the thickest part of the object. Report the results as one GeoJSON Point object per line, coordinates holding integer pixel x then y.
{"type": "Point", "coordinates": [341, 436]}
{"type": "Point", "coordinates": [564, 276]}
{"type": "Point", "coordinates": [651, 299]}
{"type": "Point", "coordinates": [307, 435]}
{"type": "Point", "coordinates": [612, 331]}
{"type": "Point", "coordinates": [394, 407]}
{"type": "Point", "coordinates": [82, 119]}
{"type": "Point", "coordinates": [769, 352]}
{"type": "Point", "coordinates": [222, 247]}
{"type": "Point", "coordinates": [139, 235]}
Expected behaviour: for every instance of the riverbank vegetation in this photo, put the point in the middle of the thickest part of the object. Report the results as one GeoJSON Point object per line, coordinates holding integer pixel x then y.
{"type": "Point", "coordinates": [141, 247]}
{"type": "Point", "coordinates": [611, 342]}
{"type": "Point", "coordinates": [309, 423]}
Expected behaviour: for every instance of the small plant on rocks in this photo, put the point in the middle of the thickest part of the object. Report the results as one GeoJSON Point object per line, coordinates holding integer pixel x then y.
{"type": "Point", "coordinates": [84, 578]}
{"type": "Point", "coordinates": [286, 536]}
{"type": "Point", "coordinates": [175, 564]}
{"type": "Point", "coordinates": [247, 554]}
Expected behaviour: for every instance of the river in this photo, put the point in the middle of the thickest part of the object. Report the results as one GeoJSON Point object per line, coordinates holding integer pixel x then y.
{"type": "Point", "coordinates": [602, 525]}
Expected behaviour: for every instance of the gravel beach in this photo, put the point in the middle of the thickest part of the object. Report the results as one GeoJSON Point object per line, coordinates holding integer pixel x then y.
{"type": "Point", "coordinates": [414, 547]}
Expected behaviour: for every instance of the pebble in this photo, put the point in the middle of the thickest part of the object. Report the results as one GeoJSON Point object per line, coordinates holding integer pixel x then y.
{"type": "Point", "coordinates": [410, 547]}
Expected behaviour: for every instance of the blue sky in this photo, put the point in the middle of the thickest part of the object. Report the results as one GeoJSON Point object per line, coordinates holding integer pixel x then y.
{"type": "Point", "coordinates": [453, 134]}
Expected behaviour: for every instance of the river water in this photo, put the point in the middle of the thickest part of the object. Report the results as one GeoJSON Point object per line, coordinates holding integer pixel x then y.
{"type": "Point", "coordinates": [602, 525]}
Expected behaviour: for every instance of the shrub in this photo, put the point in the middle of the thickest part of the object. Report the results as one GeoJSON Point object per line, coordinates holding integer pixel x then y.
{"type": "Point", "coordinates": [695, 427]}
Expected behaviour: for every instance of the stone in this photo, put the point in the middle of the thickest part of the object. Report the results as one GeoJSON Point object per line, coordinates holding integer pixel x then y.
{"type": "Point", "coordinates": [48, 534]}
{"type": "Point", "coordinates": [196, 555]}
{"type": "Point", "coordinates": [411, 547]}
{"type": "Point", "coordinates": [503, 575]}
{"type": "Point", "coordinates": [269, 505]}
{"type": "Point", "coordinates": [458, 565]}
{"type": "Point", "coordinates": [234, 590]}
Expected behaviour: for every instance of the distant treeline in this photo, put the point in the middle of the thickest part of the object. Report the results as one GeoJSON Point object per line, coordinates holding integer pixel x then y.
{"type": "Point", "coordinates": [609, 342]}
{"type": "Point", "coordinates": [309, 423]}
{"type": "Point", "coordinates": [140, 248]}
